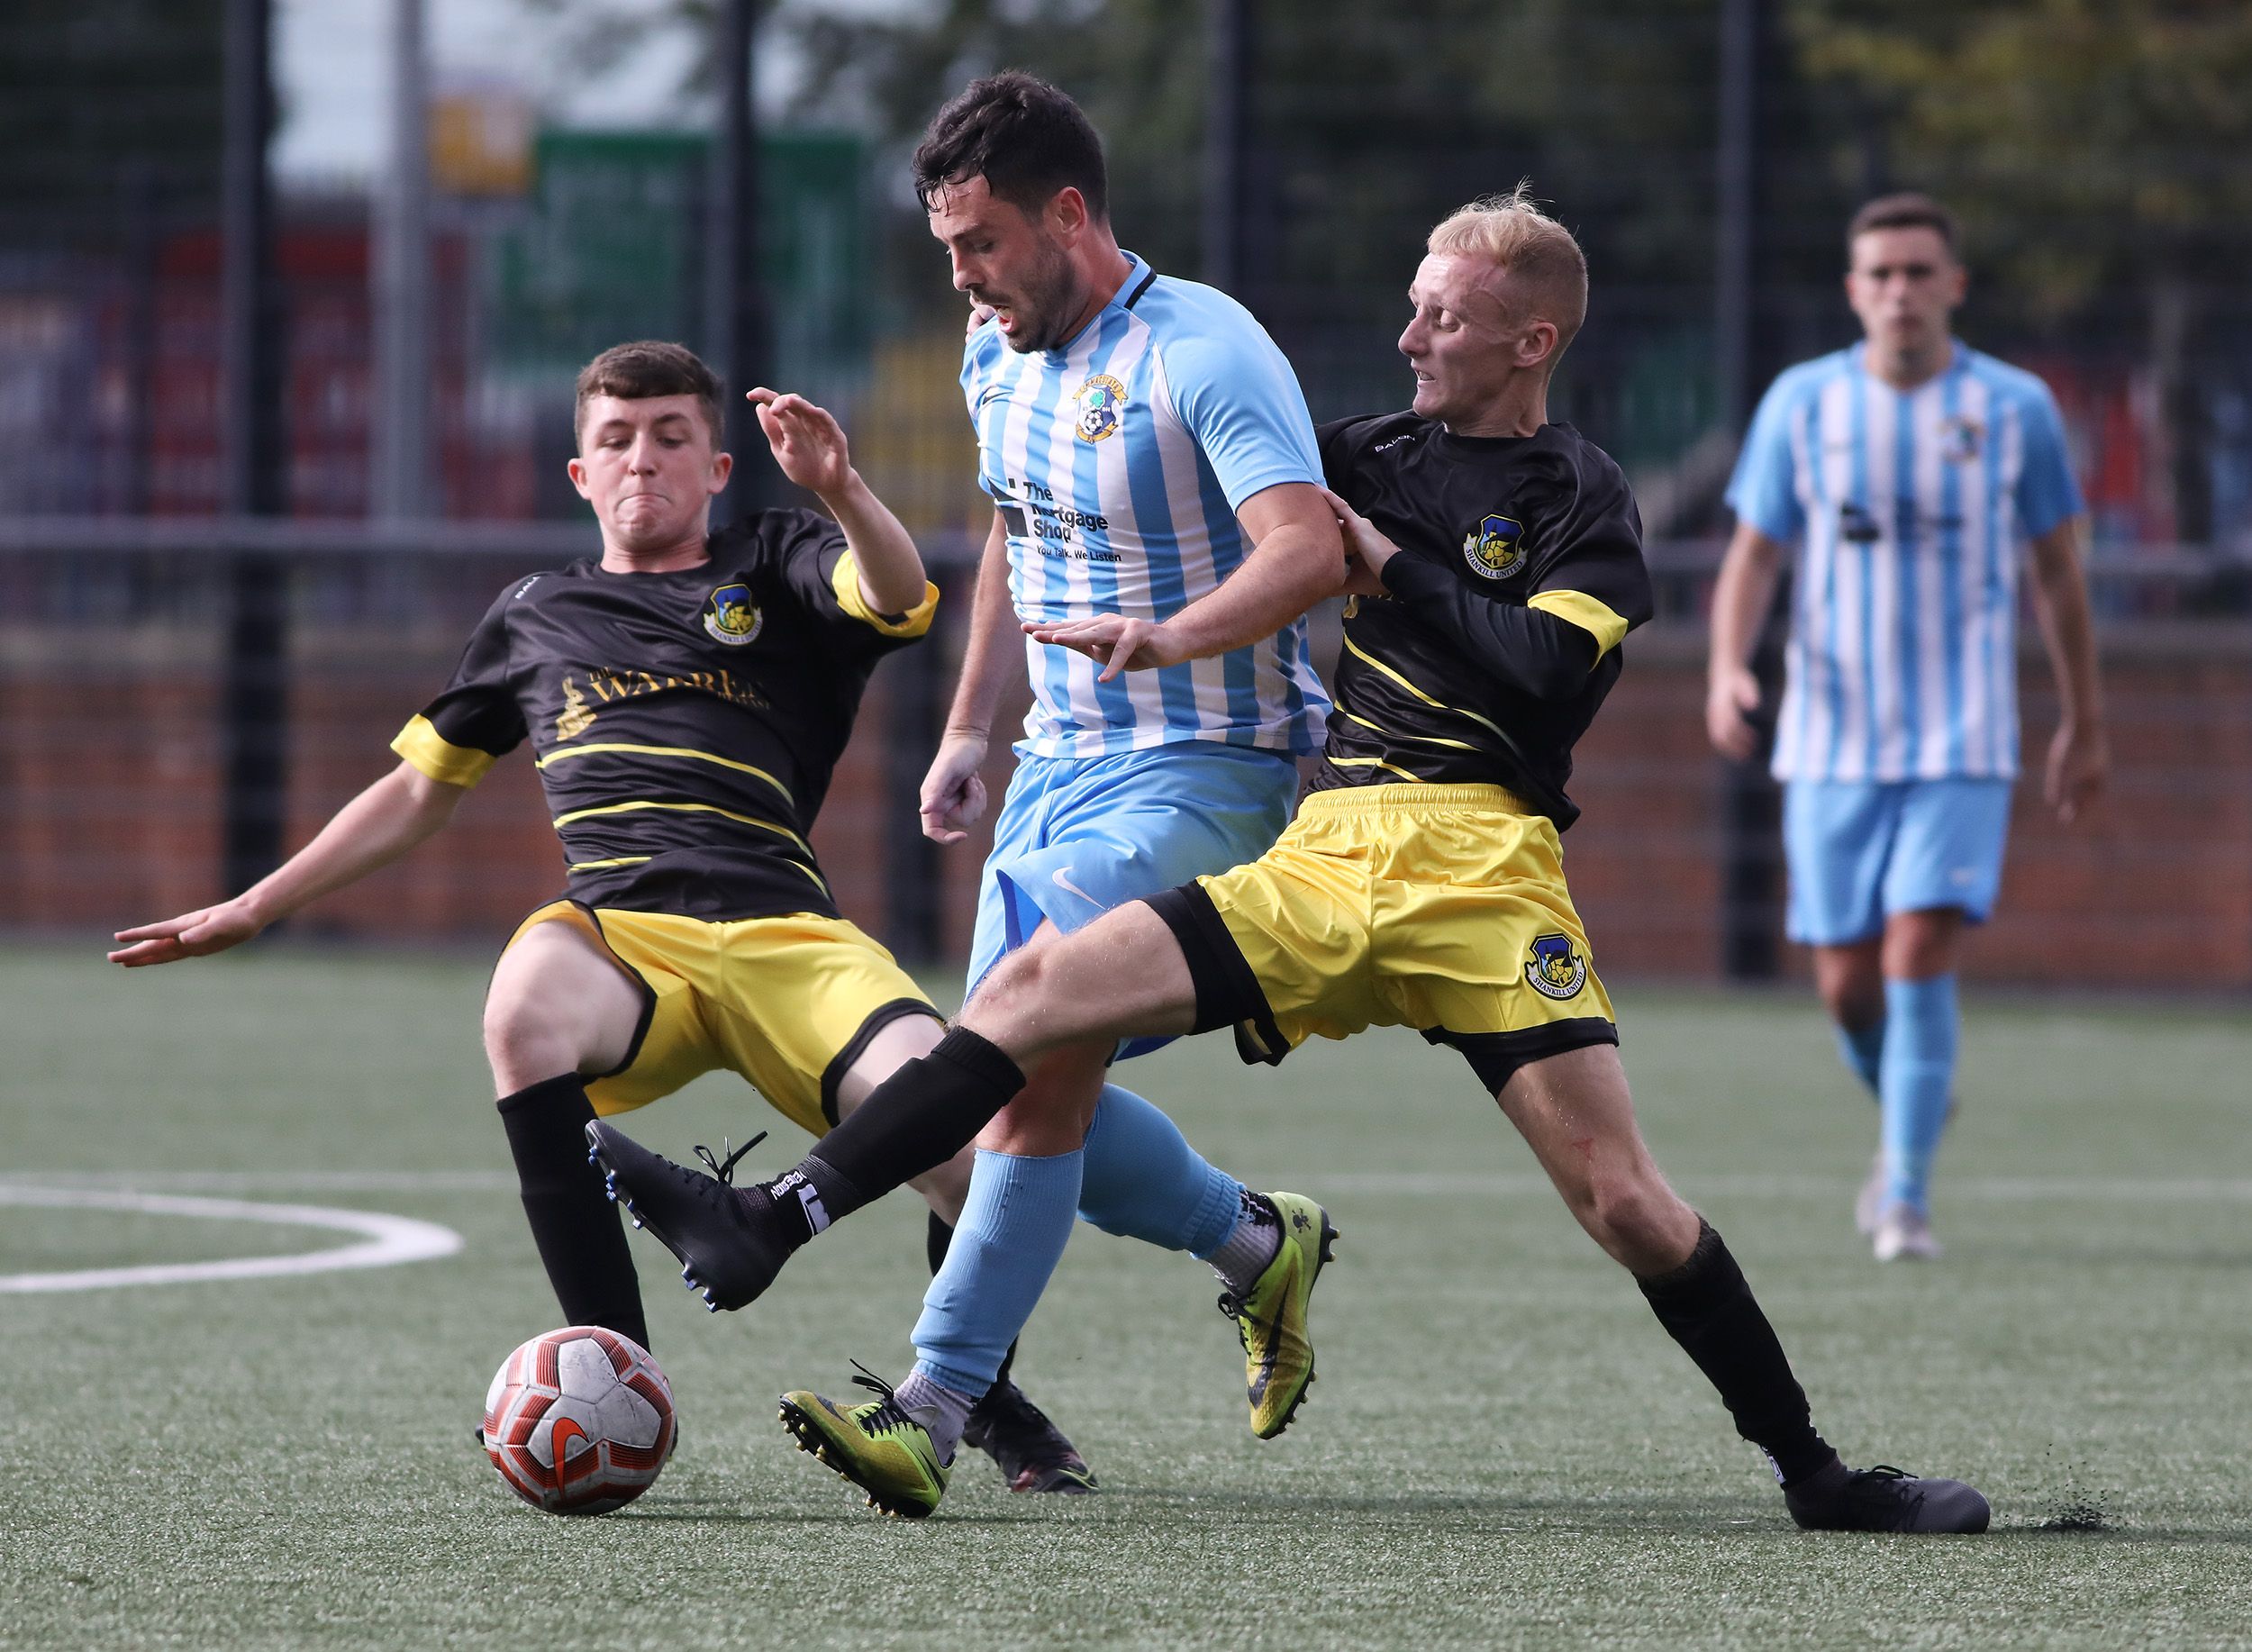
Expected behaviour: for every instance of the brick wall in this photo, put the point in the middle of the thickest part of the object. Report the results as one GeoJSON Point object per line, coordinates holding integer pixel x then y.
{"type": "Point", "coordinates": [109, 764]}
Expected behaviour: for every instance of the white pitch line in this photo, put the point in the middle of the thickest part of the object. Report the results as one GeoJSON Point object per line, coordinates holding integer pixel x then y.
{"type": "Point", "coordinates": [1999, 1189]}
{"type": "Point", "coordinates": [387, 1240]}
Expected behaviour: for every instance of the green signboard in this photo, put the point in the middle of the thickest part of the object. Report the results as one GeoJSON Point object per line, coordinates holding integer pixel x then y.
{"type": "Point", "coordinates": [611, 246]}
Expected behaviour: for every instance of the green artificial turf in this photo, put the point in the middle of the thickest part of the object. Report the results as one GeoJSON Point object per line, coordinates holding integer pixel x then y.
{"type": "Point", "coordinates": [1502, 1449]}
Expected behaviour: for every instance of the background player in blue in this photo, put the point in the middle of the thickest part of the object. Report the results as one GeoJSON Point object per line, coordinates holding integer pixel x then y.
{"type": "Point", "coordinates": [1905, 470]}
{"type": "Point", "coordinates": [1156, 493]}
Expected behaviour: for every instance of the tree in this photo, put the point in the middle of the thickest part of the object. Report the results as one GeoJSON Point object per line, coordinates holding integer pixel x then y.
{"type": "Point", "coordinates": [2096, 148]}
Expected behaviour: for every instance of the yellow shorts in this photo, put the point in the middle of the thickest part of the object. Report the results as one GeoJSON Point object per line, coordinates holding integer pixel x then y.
{"type": "Point", "coordinates": [1437, 907]}
{"type": "Point", "coordinates": [787, 1002]}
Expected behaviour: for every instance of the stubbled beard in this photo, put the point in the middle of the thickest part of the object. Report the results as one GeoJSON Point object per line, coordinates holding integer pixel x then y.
{"type": "Point", "coordinates": [1046, 305]}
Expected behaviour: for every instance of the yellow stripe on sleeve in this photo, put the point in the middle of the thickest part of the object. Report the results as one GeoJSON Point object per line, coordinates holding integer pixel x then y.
{"type": "Point", "coordinates": [1577, 608]}
{"type": "Point", "coordinates": [846, 582]}
{"type": "Point", "coordinates": [420, 744]}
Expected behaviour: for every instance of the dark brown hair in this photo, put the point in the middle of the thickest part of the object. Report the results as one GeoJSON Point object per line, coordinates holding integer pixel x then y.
{"type": "Point", "coordinates": [649, 367]}
{"type": "Point", "coordinates": [1908, 209]}
{"type": "Point", "coordinates": [1027, 139]}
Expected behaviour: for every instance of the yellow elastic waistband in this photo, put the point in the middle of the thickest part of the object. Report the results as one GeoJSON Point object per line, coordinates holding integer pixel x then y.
{"type": "Point", "coordinates": [1417, 800]}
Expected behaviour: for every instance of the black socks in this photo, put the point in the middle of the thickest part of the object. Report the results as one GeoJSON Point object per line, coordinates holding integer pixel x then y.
{"type": "Point", "coordinates": [581, 1241]}
{"type": "Point", "coordinates": [1706, 1306]}
{"type": "Point", "coordinates": [919, 1117]}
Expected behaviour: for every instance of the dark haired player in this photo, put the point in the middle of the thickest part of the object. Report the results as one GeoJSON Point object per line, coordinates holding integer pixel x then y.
{"type": "Point", "coordinates": [1155, 481]}
{"type": "Point", "coordinates": [687, 695]}
{"type": "Point", "coordinates": [1497, 567]}
{"type": "Point", "coordinates": [1906, 469]}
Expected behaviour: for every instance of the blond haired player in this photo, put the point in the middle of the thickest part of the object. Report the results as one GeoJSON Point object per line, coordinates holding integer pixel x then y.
{"type": "Point", "coordinates": [1497, 568]}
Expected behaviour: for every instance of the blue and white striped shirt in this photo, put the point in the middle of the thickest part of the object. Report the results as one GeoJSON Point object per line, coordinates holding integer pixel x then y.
{"type": "Point", "coordinates": [1908, 507]}
{"type": "Point", "coordinates": [1117, 462]}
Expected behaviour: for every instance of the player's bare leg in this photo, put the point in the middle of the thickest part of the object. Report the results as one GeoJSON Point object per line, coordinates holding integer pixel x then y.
{"type": "Point", "coordinates": [1575, 1113]}
{"type": "Point", "coordinates": [560, 1009]}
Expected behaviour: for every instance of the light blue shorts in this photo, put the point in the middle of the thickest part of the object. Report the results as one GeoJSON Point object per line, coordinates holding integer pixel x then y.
{"type": "Point", "coordinates": [1862, 850]}
{"type": "Point", "coordinates": [1077, 836]}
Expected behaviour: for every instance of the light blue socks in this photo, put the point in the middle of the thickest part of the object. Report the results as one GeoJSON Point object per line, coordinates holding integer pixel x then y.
{"type": "Point", "coordinates": [1863, 1051]}
{"type": "Point", "coordinates": [1013, 1233]}
{"type": "Point", "coordinates": [1136, 1176]}
{"type": "Point", "coordinates": [1915, 1081]}
{"type": "Point", "coordinates": [1145, 1182]}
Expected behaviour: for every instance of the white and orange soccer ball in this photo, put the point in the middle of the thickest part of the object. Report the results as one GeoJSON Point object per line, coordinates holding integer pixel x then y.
{"type": "Point", "coordinates": [579, 1420]}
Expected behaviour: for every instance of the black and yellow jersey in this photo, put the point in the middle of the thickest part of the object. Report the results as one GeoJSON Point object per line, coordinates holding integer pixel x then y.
{"type": "Point", "coordinates": [1519, 570]}
{"type": "Point", "coordinates": [685, 725]}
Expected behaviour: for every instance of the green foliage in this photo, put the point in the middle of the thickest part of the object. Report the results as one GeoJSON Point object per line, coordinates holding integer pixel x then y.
{"type": "Point", "coordinates": [2089, 144]}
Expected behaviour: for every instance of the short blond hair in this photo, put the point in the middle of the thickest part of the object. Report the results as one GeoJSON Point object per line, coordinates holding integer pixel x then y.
{"type": "Point", "coordinates": [1546, 270]}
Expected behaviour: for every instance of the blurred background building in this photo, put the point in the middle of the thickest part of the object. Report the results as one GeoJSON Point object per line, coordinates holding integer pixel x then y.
{"type": "Point", "coordinates": [291, 292]}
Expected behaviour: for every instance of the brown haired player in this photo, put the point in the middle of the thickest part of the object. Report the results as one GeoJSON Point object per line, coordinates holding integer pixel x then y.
{"type": "Point", "coordinates": [1497, 567]}
{"type": "Point", "coordinates": [687, 695]}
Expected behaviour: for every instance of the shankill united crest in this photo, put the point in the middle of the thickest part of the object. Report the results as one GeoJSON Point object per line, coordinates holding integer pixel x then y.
{"type": "Point", "coordinates": [730, 616]}
{"type": "Point", "coordinates": [1101, 406]}
{"type": "Point", "coordinates": [1555, 970]}
{"type": "Point", "coordinates": [1495, 548]}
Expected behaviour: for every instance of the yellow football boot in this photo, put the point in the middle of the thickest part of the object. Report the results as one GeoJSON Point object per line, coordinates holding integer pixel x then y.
{"type": "Point", "coordinates": [1271, 1317]}
{"type": "Point", "coordinates": [877, 1447]}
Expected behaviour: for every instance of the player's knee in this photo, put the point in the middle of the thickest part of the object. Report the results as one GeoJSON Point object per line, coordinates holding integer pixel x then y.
{"type": "Point", "coordinates": [1016, 985]}
{"type": "Point", "coordinates": [526, 1040]}
{"type": "Point", "coordinates": [1638, 1219]}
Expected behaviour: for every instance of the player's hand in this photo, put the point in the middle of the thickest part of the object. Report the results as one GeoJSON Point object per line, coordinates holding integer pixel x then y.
{"type": "Point", "coordinates": [2079, 765]}
{"type": "Point", "coordinates": [1112, 640]}
{"type": "Point", "coordinates": [979, 314]}
{"type": "Point", "coordinates": [954, 791]}
{"type": "Point", "coordinates": [1730, 699]}
{"type": "Point", "coordinates": [1366, 549]}
{"type": "Point", "coordinates": [808, 442]}
{"type": "Point", "coordinates": [195, 934]}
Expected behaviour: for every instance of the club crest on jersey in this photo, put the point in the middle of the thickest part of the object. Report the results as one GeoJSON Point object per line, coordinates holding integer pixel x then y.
{"type": "Point", "coordinates": [1101, 406]}
{"type": "Point", "coordinates": [730, 616]}
{"type": "Point", "coordinates": [1959, 439]}
{"type": "Point", "coordinates": [1555, 970]}
{"type": "Point", "coordinates": [1496, 549]}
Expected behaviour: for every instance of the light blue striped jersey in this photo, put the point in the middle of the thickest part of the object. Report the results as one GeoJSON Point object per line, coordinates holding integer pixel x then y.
{"type": "Point", "coordinates": [1907, 508]}
{"type": "Point", "coordinates": [1117, 462]}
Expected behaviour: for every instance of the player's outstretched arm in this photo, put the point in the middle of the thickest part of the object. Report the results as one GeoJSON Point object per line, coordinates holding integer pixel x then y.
{"type": "Point", "coordinates": [2079, 755]}
{"type": "Point", "coordinates": [810, 447]}
{"type": "Point", "coordinates": [374, 829]}
{"type": "Point", "coordinates": [1297, 558]}
{"type": "Point", "coordinates": [953, 790]}
{"type": "Point", "coordinates": [1741, 598]}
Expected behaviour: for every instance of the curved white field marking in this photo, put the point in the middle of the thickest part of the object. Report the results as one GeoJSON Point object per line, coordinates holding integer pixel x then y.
{"type": "Point", "coordinates": [385, 1240]}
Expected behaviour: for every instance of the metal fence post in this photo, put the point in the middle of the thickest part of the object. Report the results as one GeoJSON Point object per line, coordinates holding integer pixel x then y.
{"type": "Point", "coordinates": [735, 296]}
{"type": "Point", "coordinates": [1749, 815]}
{"type": "Point", "coordinates": [254, 700]}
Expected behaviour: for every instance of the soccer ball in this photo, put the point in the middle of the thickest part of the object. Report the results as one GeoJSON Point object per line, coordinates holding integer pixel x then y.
{"type": "Point", "coordinates": [579, 1420]}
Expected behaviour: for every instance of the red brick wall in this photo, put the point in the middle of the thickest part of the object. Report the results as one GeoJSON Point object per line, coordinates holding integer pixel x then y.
{"type": "Point", "coordinates": [108, 761]}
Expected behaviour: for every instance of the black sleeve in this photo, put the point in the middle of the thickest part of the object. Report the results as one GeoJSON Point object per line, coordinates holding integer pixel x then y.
{"type": "Point", "coordinates": [1589, 587]}
{"type": "Point", "coordinates": [1533, 651]}
{"type": "Point", "coordinates": [808, 548]}
{"type": "Point", "coordinates": [478, 710]}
